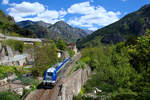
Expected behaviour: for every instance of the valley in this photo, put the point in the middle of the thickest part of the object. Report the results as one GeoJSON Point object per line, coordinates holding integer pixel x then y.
{"type": "Point", "coordinates": [84, 52]}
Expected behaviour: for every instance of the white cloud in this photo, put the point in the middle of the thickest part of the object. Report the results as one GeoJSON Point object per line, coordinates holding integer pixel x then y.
{"type": "Point", "coordinates": [35, 12]}
{"type": "Point", "coordinates": [25, 9]}
{"type": "Point", "coordinates": [92, 16]}
{"type": "Point", "coordinates": [92, 28]}
{"type": "Point", "coordinates": [46, 16]}
{"type": "Point", "coordinates": [81, 8]}
{"type": "Point", "coordinates": [62, 13]}
{"type": "Point", "coordinates": [5, 2]}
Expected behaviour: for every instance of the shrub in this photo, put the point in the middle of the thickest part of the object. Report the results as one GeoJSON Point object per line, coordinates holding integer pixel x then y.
{"type": "Point", "coordinates": [113, 71]}
{"type": "Point", "coordinates": [80, 97]}
{"type": "Point", "coordinates": [5, 70]}
{"type": "Point", "coordinates": [16, 45]}
{"type": "Point", "coordinates": [77, 66]}
{"type": "Point", "coordinates": [61, 45]}
{"type": "Point", "coordinates": [71, 53]}
{"type": "Point", "coordinates": [45, 57]}
{"type": "Point", "coordinates": [9, 96]}
{"type": "Point", "coordinates": [27, 80]}
{"type": "Point", "coordinates": [140, 53]}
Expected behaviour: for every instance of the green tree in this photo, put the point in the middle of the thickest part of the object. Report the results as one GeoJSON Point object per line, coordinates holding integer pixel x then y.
{"type": "Point", "coordinates": [113, 73]}
{"type": "Point", "coordinates": [16, 45]}
{"type": "Point", "coordinates": [45, 57]}
{"type": "Point", "coordinates": [140, 53]}
{"type": "Point", "coordinates": [61, 44]}
{"type": "Point", "coordinates": [140, 60]}
{"type": "Point", "coordinates": [71, 53]}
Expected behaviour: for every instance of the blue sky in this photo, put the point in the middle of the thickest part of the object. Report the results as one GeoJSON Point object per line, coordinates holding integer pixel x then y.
{"type": "Point", "coordinates": [86, 14]}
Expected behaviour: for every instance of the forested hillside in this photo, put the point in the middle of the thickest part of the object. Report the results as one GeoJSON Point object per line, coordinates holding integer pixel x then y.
{"type": "Point", "coordinates": [9, 27]}
{"type": "Point", "coordinates": [119, 55]}
{"type": "Point", "coordinates": [129, 27]}
{"type": "Point", "coordinates": [120, 72]}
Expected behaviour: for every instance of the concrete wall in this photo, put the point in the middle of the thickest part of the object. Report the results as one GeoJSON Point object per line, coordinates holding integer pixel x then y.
{"type": "Point", "coordinates": [7, 57]}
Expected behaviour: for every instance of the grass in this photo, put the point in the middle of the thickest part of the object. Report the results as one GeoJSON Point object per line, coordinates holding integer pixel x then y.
{"type": "Point", "coordinates": [77, 66]}
{"type": "Point", "coordinates": [4, 70]}
{"type": "Point", "coordinates": [9, 96]}
{"type": "Point", "coordinates": [71, 53]}
{"type": "Point", "coordinates": [9, 70]}
{"type": "Point", "coordinates": [15, 45]}
{"type": "Point", "coordinates": [28, 80]}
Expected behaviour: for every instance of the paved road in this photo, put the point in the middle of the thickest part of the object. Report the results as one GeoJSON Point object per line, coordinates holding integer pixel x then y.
{"type": "Point", "coordinates": [20, 38]}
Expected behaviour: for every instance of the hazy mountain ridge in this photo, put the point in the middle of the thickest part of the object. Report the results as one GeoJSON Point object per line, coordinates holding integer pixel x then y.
{"type": "Point", "coordinates": [28, 22]}
{"type": "Point", "coordinates": [58, 30]}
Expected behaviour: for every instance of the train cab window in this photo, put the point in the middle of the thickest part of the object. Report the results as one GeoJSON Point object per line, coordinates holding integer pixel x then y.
{"type": "Point", "coordinates": [49, 75]}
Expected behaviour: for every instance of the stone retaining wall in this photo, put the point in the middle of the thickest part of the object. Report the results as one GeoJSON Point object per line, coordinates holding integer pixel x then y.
{"type": "Point", "coordinates": [73, 84]}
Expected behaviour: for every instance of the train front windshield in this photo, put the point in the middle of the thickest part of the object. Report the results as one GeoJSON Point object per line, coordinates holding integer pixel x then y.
{"type": "Point", "coordinates": [49, 76]}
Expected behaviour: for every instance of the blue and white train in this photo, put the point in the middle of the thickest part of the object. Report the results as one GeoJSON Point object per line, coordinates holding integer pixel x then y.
{"type": "Point", "coordinates": [50, 76]}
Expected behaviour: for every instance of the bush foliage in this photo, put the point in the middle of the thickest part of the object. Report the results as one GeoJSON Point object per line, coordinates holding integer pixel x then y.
{"type": "Point", "coordinates": [61, 44]}
{"type": "Point", "coordinates": [16, 45]}
{"type": "Point", "coordinates": [71, 53]}
{"type": "Point", "coordinates": [121, 71]}
{"type": "Point", "coordinates": [5, 70]}
{"type": "Point", "coordinates": [45, 57]}
{"type": "Point", "coordinates": [9, 96]}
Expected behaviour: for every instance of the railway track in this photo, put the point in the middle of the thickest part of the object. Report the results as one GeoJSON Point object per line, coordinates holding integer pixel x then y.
{"type": "Point", "coordinates": [43, 91]}
{"type": "Point", "coordinates": [51, 94]}
{"type": "Point", "coordinates": [46, 94]}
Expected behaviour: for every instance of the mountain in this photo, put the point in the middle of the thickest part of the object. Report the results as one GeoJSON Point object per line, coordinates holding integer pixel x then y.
{"type": "Point", "coordinates": [29, 23]}
{"type": "Point", "coordinates": [9, 27]}
{"type": "Point", "coordinates": [5, 19]}
{"type": "Point", "coordinates": [66, 32]}
{"type": "Point", "coordinates": [132, 25]}
{"type": "Point", "coordinates": [58, 30]}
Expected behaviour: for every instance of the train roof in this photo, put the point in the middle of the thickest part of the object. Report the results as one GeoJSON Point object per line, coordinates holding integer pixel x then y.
{"type": "Point", "coordinates": [56, 65]}
{"type": "Point", "coordinates": [52, 69]}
